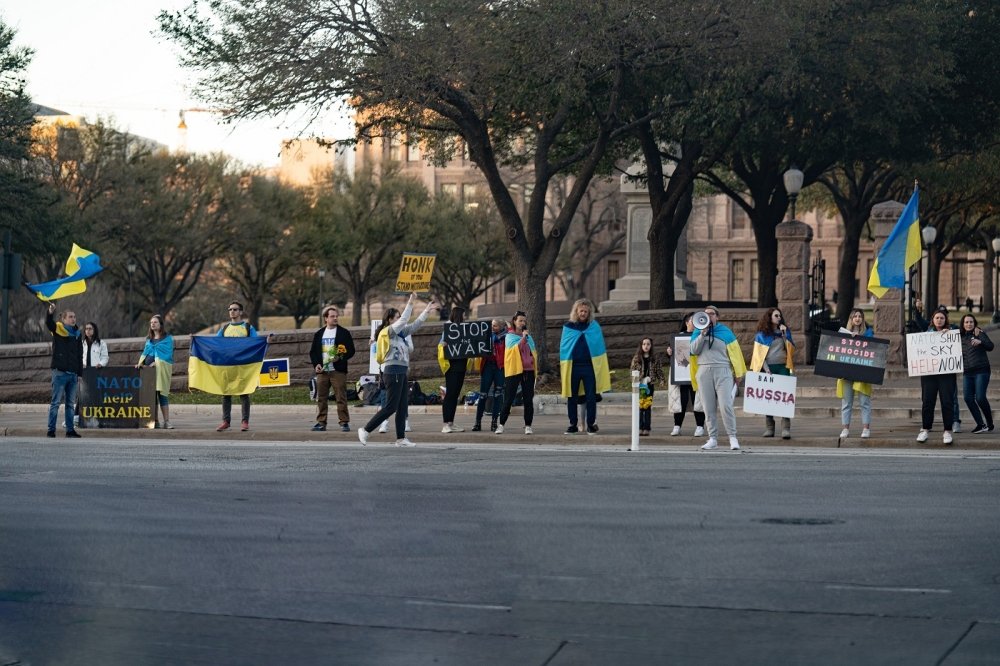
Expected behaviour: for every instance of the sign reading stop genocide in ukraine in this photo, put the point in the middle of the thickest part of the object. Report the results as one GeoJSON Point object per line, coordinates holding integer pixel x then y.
{"type": "Point", "coordinates": [934, 353]}
{"type": "Point", "coordinates": [854, 358]}
{"type": "Point", "coordinates": [773, 395]}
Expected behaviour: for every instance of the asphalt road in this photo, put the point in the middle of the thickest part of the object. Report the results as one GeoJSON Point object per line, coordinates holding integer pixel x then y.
{"type": "Point", "coordinates": [119, 552]}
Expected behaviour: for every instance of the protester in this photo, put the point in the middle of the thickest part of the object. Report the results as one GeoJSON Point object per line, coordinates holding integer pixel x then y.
{"type": "Point", "coordinates": [716, 361]}
{"type": "Point", "coordinates": [159, 352]}
{"type": "Point", "coordinates": [454, 377]}
{"type": "Point", "coordinates": [67, 366]}
{"type": "Point", "coordinates": [395, 330]}
{"type": "Point", "coordinates": [933, 386]}
{"type": "Point", "coordinates": [390, 313]}
{"type": "Point", "coordinates": [95, 350]}
{"type": "Point", "coordinates": [857, 327]}
{"type": "Point", "coordinates": [679, 396]}
{"type": "Point", "coordinates": [650, 372]}
{"type": "Point", "coordinates": [583, 364]}
{"type": "Point", "coordinates": [491, 379]}
{"type": "Point", "coordinates": [773, 353]}
{"type": "Point", "coordinates": [332, 347]}
{"type": "Point", "coordinates": [519, 365]}
{"type": "Point", "coordinates": [236, 327]}
{"type": "Point", "coordinates": [976, 376]}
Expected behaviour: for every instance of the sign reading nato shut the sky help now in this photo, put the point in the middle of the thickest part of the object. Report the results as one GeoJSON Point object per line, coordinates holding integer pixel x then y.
{"type": "Point", "coordinates": [415, 273]}
{"type": "Point", "coordinates": [773, 395]}
{"type": "Point", "coordinates": [934, 353]}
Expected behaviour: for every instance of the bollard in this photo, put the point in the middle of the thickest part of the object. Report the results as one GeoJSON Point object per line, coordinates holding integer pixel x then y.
{"type": "Point", "coordinates": [635, 410]}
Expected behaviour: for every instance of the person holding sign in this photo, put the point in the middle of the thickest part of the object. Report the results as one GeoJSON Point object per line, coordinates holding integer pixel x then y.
{"type": "Point", "coordinates": [933, 386]}
{"type": "Point", "coordinates": [773, 352]}
{"type": "Point", "coordinates": [717, 366]}
{"type": "Point", "coordinates": [857, 327]}
{"type": "Point", "coordinates": [454, 377]}
{"type": "Point", "coordinates": [332, 347]}
{"type": "Point", "coordinates": [393, 352]}
{"type": "Point", "coordinates": [519, 363]}
{"type": "Point", "coordinates": [679, 396]}
{"type": "Point", "coordinates": [159, 352]}
{"type": "Point", "coordinates": [976, 376]}
{"type": "Point", "coordinates": [491, 376]}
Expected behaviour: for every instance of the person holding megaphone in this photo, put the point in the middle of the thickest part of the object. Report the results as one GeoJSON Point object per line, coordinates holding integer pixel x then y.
{"type": "Point", "coordinates": [717, 365]}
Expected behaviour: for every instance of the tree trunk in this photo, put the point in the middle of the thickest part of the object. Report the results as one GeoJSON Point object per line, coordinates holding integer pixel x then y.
{"type": "Point", "coordinates": [848, 268]}
{"type": "Point", "coordinates": [531, 290]}
{"type": "Point", "coordinates": [767, 261]}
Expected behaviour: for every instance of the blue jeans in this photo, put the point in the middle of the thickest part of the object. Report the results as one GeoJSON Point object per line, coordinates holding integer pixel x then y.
{"type": "Point", "coordinates": [584, 374]}
{"type": "Point", "coordinates": [492, 381]}
{"type": "Point", "coordinates": [975, 398]}
{"type": "Point", "coordinates": [63, 384]}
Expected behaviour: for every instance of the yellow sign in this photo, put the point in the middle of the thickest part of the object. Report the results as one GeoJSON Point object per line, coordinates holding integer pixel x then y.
{"type": "Point", "coordinates": [415, 273]}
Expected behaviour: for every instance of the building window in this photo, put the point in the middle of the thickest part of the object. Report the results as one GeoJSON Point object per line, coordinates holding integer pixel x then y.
{"type": "Point", "coordinates": [613, 273]}
{"type": "Point", "coordinates": [509, 286]}
{"type": "Point", "coordinates": [450, 190]}
{"type": "Point", "coordinates": [739, 221]}
{"type": "Point", "coordinates": [754, 279]}
{"type": "Point", "coordinates": [396, 148]}
{"type": "Point", "coordinates": [961, 282]}
{"type": "Point", "coordinates": [737, 280]}
{"type": "Point", "coordinates": [470, 195]}
{"type": "Point", "coordinates": [413, 153]}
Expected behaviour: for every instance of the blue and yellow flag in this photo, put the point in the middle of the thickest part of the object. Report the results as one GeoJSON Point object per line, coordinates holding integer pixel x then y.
{"type": "Point", "coordinates": [274, 372]}
{"type": "Point", "coordinates": [598, 356]}
{"type": "Point", "coordinates": [225, 366]}
{"type": "Point", "coordinates": [82, 264]}
{"type": "Point", "coordinates": [901, 250]}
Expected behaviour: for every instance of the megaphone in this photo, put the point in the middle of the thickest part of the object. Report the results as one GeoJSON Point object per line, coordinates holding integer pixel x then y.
{"type": "Point", "coordinates": [700, 320]}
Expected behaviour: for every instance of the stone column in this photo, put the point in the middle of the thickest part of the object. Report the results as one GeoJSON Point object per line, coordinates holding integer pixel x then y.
{"type": "Point", "coordinates": [888, 313]}
{"type": "Point", "coordinates": [792, 286]}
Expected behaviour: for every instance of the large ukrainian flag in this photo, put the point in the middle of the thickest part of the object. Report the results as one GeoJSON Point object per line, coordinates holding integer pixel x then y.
{"type": "Point", "coordinates": [901, 250]}
{"type": "Point", "coordinates": [225, 366]}
{"type": "Point", "coordinates": [82, 264]}
{"type": "Point", "coordinates": [598, 356]}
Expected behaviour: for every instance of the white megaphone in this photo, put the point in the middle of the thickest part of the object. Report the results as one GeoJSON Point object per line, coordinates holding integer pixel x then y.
{"type": "Point", "coordinates": [700, 320]}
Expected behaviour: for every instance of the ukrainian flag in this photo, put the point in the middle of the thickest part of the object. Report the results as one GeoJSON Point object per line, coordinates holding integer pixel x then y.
{"type": "Point", "coordinates": [274, 372]}
{"type": "Point", "coordinates": [82, 264]}
{"type": "Point", "coordinates": [901, 250]}
{"type": "Point", "coordinates": [225, 366]}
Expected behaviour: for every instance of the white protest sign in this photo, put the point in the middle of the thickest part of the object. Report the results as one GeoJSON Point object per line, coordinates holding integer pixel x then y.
{"type": "Point", "coordinates": [934, 353]}
{"type": "Point", "coordinates": [773, 395]}
{"type": "Point", "coordinates": [373, 367]}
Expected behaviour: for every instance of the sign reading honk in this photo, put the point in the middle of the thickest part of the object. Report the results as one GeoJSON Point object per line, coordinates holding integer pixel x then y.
{"type": "Point", "coordinates": [415, 273]}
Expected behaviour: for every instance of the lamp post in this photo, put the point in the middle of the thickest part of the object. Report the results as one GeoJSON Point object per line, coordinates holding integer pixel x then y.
{"type": "Point", "coordinates": [322, 274]}
{"type": "Point", "coordinates": [793, 185]}
{"type": "Point", "coordinates": [996, 280]}
{"type": "Point", "coordinates": [929, 235]}
{"type": "Point", "coordinates": [131, 266]}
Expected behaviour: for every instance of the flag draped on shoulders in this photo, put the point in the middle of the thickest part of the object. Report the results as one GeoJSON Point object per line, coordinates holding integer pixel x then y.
{"type": "Point", "coordinates": [81, 265]}
{"type": "Point", "coordinates": [594, 337]}
{"type": "Point", "coordinates": [901, 250]}
{"type": "Point", "coordinates": [725, 335]}
{"type": "Point", "coordinates": [226, 365]}
{"type": "Point", "coordinates": [512, 364]}
{"type": "Point", "coordinates": [762, 344]}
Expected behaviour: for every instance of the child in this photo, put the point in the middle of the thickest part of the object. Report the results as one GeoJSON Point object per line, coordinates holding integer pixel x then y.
{"type": "Point", "coordinates": [650, 371]}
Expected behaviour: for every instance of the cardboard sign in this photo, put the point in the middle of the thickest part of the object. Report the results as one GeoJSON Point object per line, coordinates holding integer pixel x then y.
{"type": "Point", "coordinates": [854, 358]}
{"type": "Point", "coordinates": [467, 339]}
{"type": "Point", "coordinates": [773, 395]}
{"type": "Point", "coordinates": [373, 366]}
{"type": "Point", "coordinates": [274, 372]}
{"type": "Point", "coordinates": [118, 397]}
{"type": "Point", "coordinates": [415, 273]}
{"type": "Point", "coordinates": [934, 353]}
{"type": "Point", "coordinates": [680, 361]}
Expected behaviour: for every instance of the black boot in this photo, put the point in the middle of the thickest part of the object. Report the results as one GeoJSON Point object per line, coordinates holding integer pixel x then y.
{"type": "Point", "coordinates": [477, 427]}
{"type": "Point", "coordinates": [493, 424]}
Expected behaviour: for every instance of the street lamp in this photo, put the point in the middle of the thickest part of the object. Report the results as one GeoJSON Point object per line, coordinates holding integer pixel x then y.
{"type": "Point", "coordinates": [996, 279]}
{"type": "Point", "coordinates": [929, 235]}
{"type": "Point", "coordinates": [793, 185]}
{"type": "Point", "coordinates": [131, 266]}
{"type": "Point", "coordinates": [322, 274]}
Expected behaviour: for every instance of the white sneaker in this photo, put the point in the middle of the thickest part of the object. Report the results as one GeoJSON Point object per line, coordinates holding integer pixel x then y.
{"type": "Point", "coordinates": [922, 436]}
{"type": "Point", "coordinates": [168, 425]}
{"type": "Point", "coordinates": [699, 432]}
{"type": "Point", "coordinates": [363, 436]}
{"type": "Point", "coordinates": [676, 431]}
{"type": "Point", "coordinates": [447, 428]}
{"type": "Point", "coordinates": [956, 427]}
{"type": "Point", "coordinates": [946, 438]}
{"type": "Point", "coordinates": [384, 427]}
{"type": "Point", "coordinates": [455, 428]}
{"type": "Point", "coordinates": [845, 433]}
{"type": "Point", "coordinates": [712, 443]}
{"type": "Point", "coordinates": [866, 433]}
{"type": "Point", "coordinates": [734, 444]}
{"type": "Point", "coordinates": [499, 430]}
{"type": "Point", "coordinates": [528, 430]}
{"type": "Point", "coordinates": [407, 427]}
{"type": "Point", "coordinates": [404, 442]}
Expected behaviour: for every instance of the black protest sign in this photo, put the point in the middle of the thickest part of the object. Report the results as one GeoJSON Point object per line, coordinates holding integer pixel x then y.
{"type": "Point", "coordinates": [467, 339]}
{"type": "Point", "coordinates": [854, 358]}
{"type": "Point", "coordinates": [118, 397]}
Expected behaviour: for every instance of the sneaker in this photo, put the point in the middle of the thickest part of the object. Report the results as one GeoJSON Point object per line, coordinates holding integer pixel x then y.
{"type": "Point", "coordinates": [447, 428]}
{"type": "Point", "coordinates": [72, 433]}
{"type": "Point", "coordinates": [866, 433]}
{"type": "Point", "coordinates": [499, 430]}
{"type": "Point", "coordinates": [710, 444]}
{"type": "Point", "coordinates": [363, 436]}
{"type": "Point", "coordinates": [676, 431]}
{"type": "Point", "coordinates": [319, 427]}
{"type": "Point", "coordinates": [946, 438]}
{"type": "Point", "coordinates": [786, 434]}
{"type": "Point", "coordinates": [734, 444]}
{"type": "Point", "coordinates": [404, 442]}
{"type": "Point", "coordinates": [592, 429]}
{"type": "Point", "coordinates": [979, 429]}
{"type": "Point", "coordinates": [223, 426]}
{"type": "Point", "coordinates": [244, 426]}
{"type": "Point", "coordinates": [572, 430]}
{"type": "Point", "coordinates": [699, 431]}
{"type": "Point", "coordinates": [922, 436]}
{"type": "Point", "coordinates": [384, 427]}
{"type": "Point", "coordinates": [768, 433]}
{"type": "Point", "coordinates": [168, 425]}
{"type": "Point", "coordinates": [528, 430]}
{"type": "Point", "coordinates": [845, 433]}
{"type": "Point", "coordinates": [956, 426]}
{"type": "Point", "coordinates": [477, 427]}
{"type": "Point", "coordinates": [50, 433]}
{"type": "Point", "coordinates": [345, 427]}
{"type": "Point", "coordinates": [989, 428]}
{"type": "Point", "coordinates": [406, 427]}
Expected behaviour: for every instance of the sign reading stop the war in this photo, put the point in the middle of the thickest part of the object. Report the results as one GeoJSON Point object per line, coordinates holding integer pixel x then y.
{"type": "Point", "coordinates": [934, 353]}
{"type": "Point", "coordinates": [467, 339]}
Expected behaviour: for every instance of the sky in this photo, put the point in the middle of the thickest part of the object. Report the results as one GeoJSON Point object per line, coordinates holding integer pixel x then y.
{"type": "Point", "coordinates": [106, 58]}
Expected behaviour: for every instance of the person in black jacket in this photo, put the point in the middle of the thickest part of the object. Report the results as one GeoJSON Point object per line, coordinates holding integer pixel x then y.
{"type": "Point", "coordinates": [332, 346]}
{"type": "Point", "coordinates": [976, 375]}
{"type": "Point", "coordinates": [67, 366]}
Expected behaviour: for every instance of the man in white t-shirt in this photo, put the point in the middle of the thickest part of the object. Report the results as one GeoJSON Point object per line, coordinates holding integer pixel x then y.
{"type": "Point", "coordinates": [332, 346]}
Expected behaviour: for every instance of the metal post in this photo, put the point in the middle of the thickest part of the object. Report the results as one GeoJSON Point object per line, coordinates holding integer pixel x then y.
{"type": "Point", "coordinates": [130, 266]}
{"type": "Point", "coordinates": [322, 274]}
{"type": "Point", "coordinates": [635, 410]}
{"type": "Point", "coordinates": [996, 289]}
{"type": "Point", "coordinates": [5, 307]}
